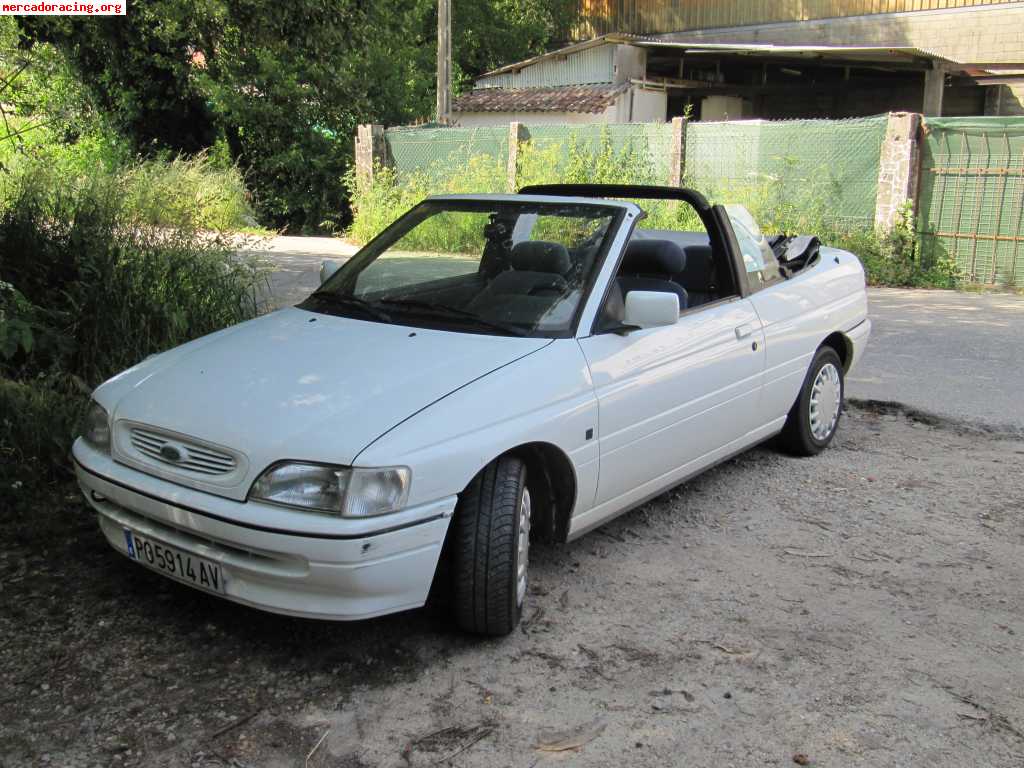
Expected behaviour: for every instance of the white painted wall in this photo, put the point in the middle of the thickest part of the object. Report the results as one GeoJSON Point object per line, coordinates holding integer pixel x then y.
{"type": "Point", "coordinates": [649, 106]}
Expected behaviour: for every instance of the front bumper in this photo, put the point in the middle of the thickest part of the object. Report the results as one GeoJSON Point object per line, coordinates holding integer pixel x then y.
{"type": "Point", "coordinates": [340, 570]}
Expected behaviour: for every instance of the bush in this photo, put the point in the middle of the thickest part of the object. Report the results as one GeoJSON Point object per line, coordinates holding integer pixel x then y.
{"type": "Point", "coordinates": [38, 422]}
{"type": "Point", "coordinates": [193, 192]}
{"type": "Point", "coordinates": [895, 259]}
{"type": "Point", "coordinates": [201, 192]}
{"type": "Point", "coordinates": [93, 278]}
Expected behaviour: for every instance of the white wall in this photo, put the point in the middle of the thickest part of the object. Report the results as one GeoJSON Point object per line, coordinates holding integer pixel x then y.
{"type": "Point", "coordinates": [649, 106]}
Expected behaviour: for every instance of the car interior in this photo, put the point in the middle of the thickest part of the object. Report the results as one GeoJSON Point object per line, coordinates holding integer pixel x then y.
{"type": "Point", "coordinates": [537, 283]}
{"type": "Point", "coordinates": [683, 263]}
{"type": "Point", "coordinates": [538, 273]}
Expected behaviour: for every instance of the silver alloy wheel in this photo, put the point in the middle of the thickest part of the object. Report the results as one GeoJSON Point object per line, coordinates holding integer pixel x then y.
{"type": "Point", "coordinates": [523, 550]}
{"type": "Point", "coordinates": [826, 400]}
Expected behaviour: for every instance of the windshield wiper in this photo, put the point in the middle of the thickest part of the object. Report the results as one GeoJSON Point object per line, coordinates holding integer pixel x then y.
{"type": "Point", "coordinates": [441, 310]}
{"type": "Point", "coordinates": [368, 307]}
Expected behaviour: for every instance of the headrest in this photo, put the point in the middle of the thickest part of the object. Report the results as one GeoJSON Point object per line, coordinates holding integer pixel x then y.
{"type": "Point", "coordinates": [540, 256]}
{"type": "Point", "coordinates": [653, 257]}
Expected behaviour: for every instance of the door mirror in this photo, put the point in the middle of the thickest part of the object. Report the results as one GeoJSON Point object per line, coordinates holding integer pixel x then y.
{"type": "Point", "coordinates": [650, 309]}
{"type": "Point", "coordinates": [328, 268]}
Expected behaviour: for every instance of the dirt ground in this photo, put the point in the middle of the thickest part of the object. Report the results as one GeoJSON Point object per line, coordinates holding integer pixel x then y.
{"type": "Point", "coordinates": [865, 607]}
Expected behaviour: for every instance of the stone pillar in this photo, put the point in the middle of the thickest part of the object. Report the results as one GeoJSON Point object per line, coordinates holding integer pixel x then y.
{"type": "Point", "coordinates": [898, 168]}
{"type": "Point", "coordinates": [371, 151]}
{"type": "Point", "coordinates": [677, 155]}
{"type": "Point", "coordinates": [517, 134]}
{"type": "Point", "coordinates": [934, 88]}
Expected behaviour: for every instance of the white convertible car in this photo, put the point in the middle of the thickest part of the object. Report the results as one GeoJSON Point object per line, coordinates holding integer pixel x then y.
{"type": "Point", "coordinates": [489, 370]}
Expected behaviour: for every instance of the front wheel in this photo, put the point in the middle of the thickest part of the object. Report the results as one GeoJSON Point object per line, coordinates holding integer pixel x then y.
{"type": "Point", "coordinates": [492, 548]}
{"type": "Point", "coordinates": [814, 417]}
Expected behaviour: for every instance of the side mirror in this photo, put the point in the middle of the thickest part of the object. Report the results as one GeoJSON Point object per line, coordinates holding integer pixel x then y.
{"type": "Point", "coordinates": [650, 309]}
{"type": "Point", "coordinates": [328, 268]}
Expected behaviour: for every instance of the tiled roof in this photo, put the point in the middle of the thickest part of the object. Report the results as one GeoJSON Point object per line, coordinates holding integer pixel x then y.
{"type": "Point", "coordinates": [569, 98]}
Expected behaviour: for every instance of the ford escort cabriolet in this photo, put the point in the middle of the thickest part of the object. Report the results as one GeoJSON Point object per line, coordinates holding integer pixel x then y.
{"type": "Point", "coordinates": [490, 370]}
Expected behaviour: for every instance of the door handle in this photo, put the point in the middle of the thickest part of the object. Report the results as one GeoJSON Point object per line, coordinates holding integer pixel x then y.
{"type": "Point", "coordinates": [743, 331]}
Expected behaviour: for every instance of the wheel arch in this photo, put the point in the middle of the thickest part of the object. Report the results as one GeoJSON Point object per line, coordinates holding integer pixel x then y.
{"type": "Point", "coordinates": [843, 347]}
{"type": "Point", "coordinates": [551, 475]}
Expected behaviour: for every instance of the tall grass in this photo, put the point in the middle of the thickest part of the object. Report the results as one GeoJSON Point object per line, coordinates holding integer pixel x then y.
{"type": "Point", "coordinates": [96, 274]}
{"type": "Point", "coordinates": [188, 192]}
{"type": "Point", "coordinates": [199, 191]}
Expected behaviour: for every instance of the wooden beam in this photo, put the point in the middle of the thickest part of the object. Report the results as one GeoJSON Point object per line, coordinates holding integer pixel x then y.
{"type": "Point", "coordinates": [444, 60]}
{"type": "Point", "coordinates": [934, 88]}
{"type": "Point", "coordinates": [517, 134]}
{"type": "Point", "coordinates": [371, 152]}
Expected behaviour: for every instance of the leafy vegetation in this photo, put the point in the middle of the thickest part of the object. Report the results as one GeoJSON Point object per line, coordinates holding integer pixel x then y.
{"type": "Point", "coordinates": [280, 88]}
{"type": "Point", "coordinates": [94, 276]}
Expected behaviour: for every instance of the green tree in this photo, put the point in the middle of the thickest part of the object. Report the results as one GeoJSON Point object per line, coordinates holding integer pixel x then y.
{"type": "Point", "coordinates": [43, 107]}
{"type": "Point", "coordinates": [283, 85]}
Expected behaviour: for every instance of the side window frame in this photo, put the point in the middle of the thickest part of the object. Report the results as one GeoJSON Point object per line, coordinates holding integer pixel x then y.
{"type": "Point", "coordinates": [723, 241]}
{"type": "Point", "coordinates": [752, 282]}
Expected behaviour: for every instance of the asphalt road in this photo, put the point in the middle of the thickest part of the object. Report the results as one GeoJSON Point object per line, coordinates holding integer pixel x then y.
{"type": "Point", "coordinates": [296, 264]}
{"type": "Point", "coordinates": [953, 354]}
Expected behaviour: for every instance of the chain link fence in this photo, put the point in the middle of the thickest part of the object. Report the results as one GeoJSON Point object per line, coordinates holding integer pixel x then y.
{"type": "Point", "coordinates": [440, 151]}
{"type": "Point", "coordinates": [821, 169]}
{"type": "Point", "coordinates": [828, 163]}
{"type": "Point", "coordinates": [971, 199]}
{"type": "Point", "coordinates": [642, 151]}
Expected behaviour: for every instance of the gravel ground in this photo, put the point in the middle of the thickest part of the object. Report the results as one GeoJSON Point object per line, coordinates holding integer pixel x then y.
{"type": "Point", "coordinates": [864, 607]}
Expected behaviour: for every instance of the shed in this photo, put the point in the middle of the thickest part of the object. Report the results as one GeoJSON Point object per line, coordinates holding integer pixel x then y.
{"type": "Point", "coordinates": [629, 78]}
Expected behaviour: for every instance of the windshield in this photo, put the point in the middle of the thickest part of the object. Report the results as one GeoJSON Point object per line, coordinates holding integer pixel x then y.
{"type": "Point", "coordinates": [481, 266]}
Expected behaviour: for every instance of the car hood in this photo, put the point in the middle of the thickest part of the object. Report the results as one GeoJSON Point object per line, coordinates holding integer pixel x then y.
{"type": "Point", "coordinates": [300, 385]}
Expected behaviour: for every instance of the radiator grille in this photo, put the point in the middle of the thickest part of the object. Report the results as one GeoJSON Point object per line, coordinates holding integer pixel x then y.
{"type": "Point", "coordinates": [182, 454]}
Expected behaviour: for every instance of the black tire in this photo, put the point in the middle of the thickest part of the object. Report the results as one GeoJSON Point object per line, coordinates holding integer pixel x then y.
{"type": "Point", "coordinates": [485, 556]}
{"type": "Point", "coordinates": [797, 435]}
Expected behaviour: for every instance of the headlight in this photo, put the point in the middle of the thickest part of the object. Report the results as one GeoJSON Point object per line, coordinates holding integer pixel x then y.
{"type": "Point", "coordinates": [96, 429]}
{"type": "Point", "coordinates": [344, 491]}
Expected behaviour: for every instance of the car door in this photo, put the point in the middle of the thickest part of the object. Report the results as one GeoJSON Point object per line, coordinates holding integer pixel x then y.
{"type": "Point", "coordinates": [789, 312]}
{"type": "Point", "coordinates": [673, 399]}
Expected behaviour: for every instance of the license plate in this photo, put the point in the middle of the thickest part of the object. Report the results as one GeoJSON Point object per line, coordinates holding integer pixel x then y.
{"type": "Point", "coordinates": [175, 563]}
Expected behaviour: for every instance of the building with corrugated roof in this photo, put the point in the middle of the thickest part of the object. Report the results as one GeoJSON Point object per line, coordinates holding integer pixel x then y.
{"type": "Point", "coordinates": [653, 60]}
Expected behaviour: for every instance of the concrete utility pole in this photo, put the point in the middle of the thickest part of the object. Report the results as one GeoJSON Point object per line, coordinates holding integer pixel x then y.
{"type": "Point", "coordinates": [444, 59]}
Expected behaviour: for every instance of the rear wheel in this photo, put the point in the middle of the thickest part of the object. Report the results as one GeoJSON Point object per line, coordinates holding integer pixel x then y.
{"type": "Point", "coordinates": [492, 548]}
{"type": "Point", "coordinates": [814, 417]}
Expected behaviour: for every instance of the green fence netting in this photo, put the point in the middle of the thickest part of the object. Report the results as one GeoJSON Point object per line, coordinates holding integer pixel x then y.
{"type": "Point", "coordinates": [832, 163]}
{"type": "Point", "coordinates": [640, 152]}
{"type": "Point", "coordinates": [442, 151]}
{"type": "Point", "coordinates": [971, 197]}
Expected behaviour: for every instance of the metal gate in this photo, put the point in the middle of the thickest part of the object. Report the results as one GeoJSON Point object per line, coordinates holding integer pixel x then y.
{"type": "Point", "coordinates": [971, 200]}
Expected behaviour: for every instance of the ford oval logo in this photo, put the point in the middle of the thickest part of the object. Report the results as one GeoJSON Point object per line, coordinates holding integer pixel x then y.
{"type": "Point", "coordinates": [170, 452]}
